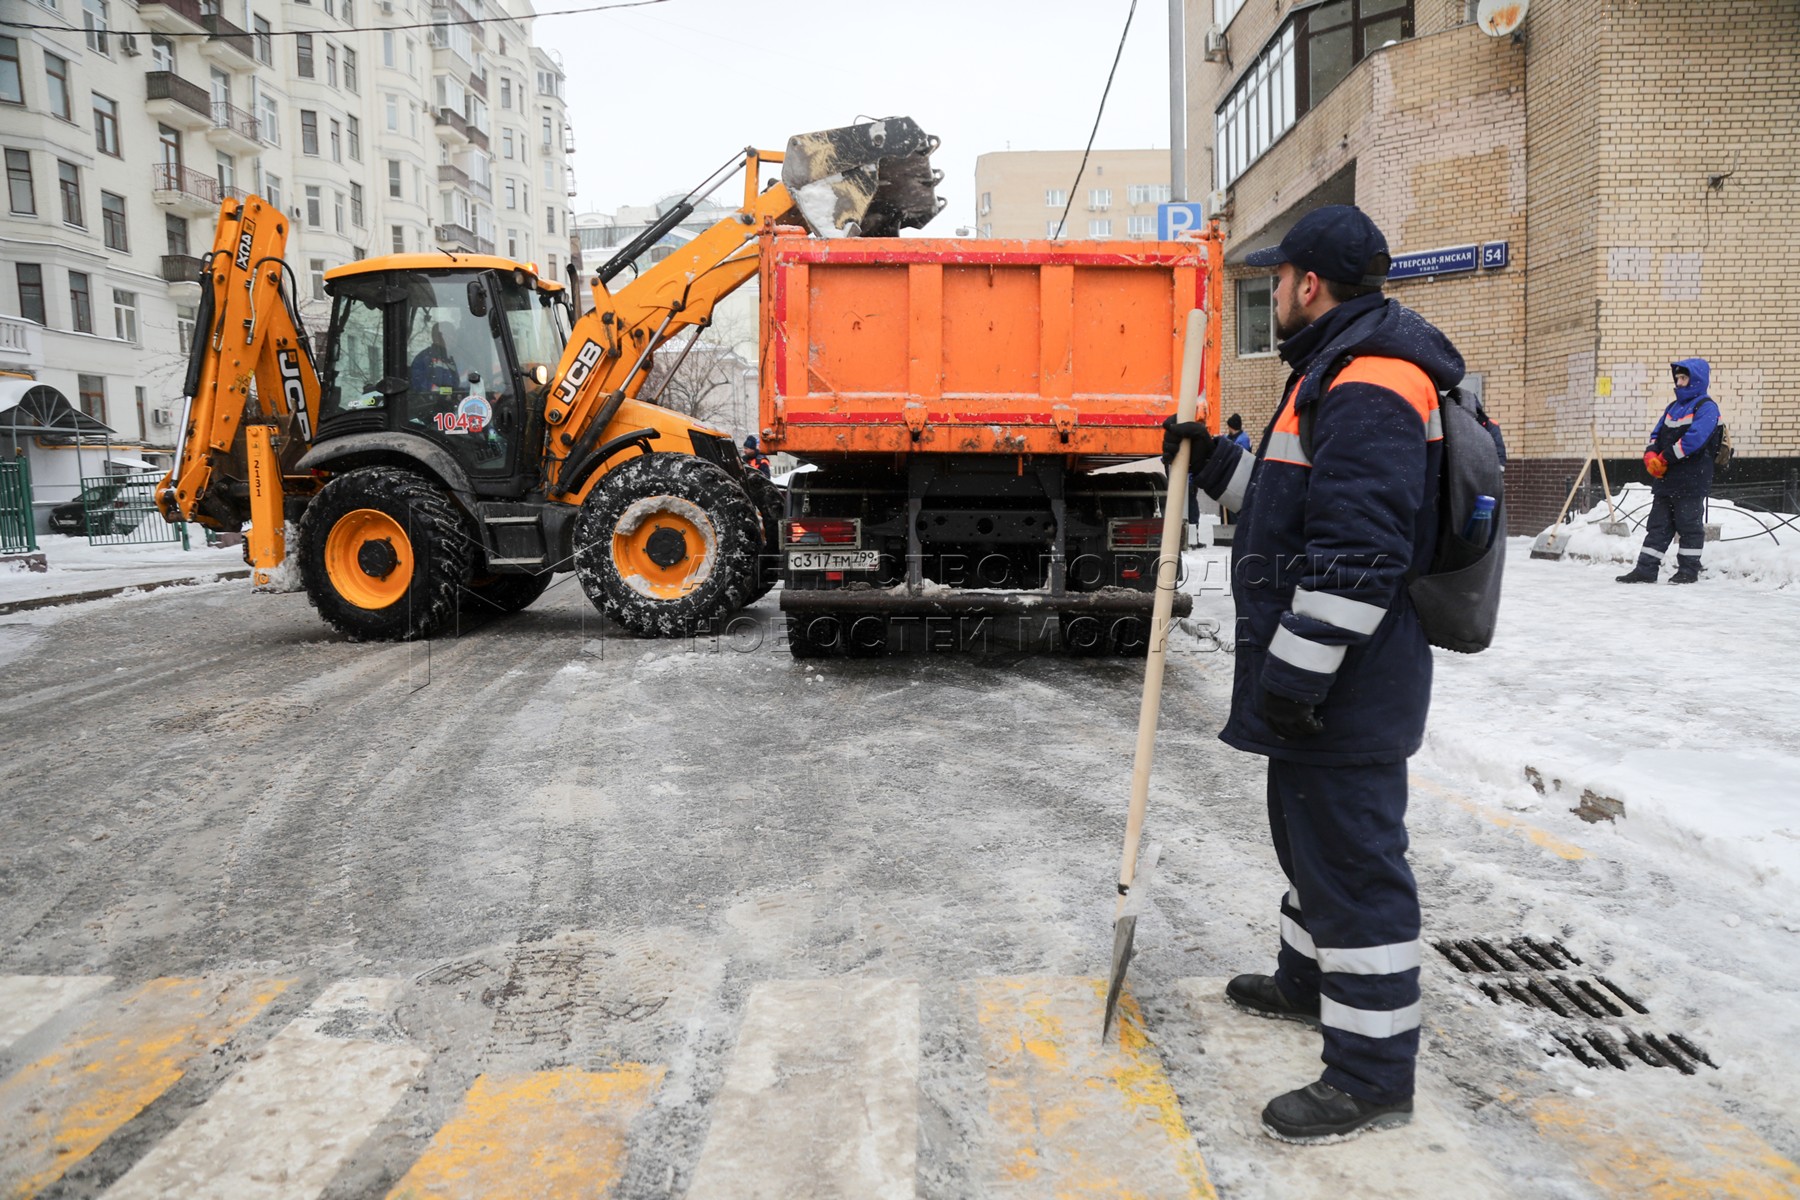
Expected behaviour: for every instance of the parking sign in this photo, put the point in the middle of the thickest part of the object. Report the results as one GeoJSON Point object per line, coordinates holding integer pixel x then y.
{"type": "Point", "coordinates": [1178, 217]}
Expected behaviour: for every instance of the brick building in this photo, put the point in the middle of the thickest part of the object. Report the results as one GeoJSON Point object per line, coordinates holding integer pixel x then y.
{"type": "Point", "coordinates": [1637, 160]}
{"type": "Point", "coordinates": [1024, 193]}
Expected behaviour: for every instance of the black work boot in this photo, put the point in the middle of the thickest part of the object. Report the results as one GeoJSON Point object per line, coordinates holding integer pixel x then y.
{"type": "Point", "coordinates": [1259, 994]}
{"type": "Point", "coordinates": [1319, 1112]}
{"type": "Point", "coordinates": [1635, 576]}
{"type": "Point", "coordinates": [1685, 576]}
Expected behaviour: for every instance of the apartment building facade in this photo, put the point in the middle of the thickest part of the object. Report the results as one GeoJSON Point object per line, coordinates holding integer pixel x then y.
{"type": "Point", "coordinates": [1576, 202]}
{"type": "Point", "coordinates": [124, 126]}
{"type": "Point", "coordinates": [1025, 194]}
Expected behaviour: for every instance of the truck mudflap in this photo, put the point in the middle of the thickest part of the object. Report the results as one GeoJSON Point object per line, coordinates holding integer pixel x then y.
{"type": "Point", "coordinates": [946, 602]}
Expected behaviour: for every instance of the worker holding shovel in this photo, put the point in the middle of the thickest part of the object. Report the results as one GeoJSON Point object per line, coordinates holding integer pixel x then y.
{"type": "Point", "coordinates": [1333, 672]}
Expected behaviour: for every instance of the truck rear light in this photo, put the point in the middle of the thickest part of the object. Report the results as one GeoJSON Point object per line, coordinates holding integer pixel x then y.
{"type": "Point", "coordinates": [822, 531]}
{"type": "Point", "coordinates": [1134, 533]}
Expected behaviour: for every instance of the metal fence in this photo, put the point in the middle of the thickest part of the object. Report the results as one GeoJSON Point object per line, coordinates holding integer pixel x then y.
{"type": "Point", "coordinates": [120, 510]}
{"type": "Point", "coordinates": [17, 534]}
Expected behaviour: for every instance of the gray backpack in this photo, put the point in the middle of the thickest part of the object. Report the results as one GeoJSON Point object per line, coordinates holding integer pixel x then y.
{"type": "Point", "coordinates": [1457, 596]}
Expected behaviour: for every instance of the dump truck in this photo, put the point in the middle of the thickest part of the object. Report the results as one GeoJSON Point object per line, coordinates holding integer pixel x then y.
{"type": "Point", "coordinates": [961, 402]}
{"type": "Point", "coordinates": [455, 443]}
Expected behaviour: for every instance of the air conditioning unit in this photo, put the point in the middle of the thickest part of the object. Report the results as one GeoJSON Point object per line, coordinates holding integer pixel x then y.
{"type": "Point", "coordinates": [130, 44]}
{"type": "Point", "coordinates": [1218, 203]}
{"type": "Point", "coordinates": [386, 7]}
{"type": "Point", "coordinates": [1217, 45]}
{"type": "Point", "coordinates": [161, 416]}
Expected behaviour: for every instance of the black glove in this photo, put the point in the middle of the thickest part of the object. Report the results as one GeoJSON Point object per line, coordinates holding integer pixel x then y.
{"type": "Point", "coordinates": [1292, 720]}
{"type": "Point", "coordinates": [1197, 435]}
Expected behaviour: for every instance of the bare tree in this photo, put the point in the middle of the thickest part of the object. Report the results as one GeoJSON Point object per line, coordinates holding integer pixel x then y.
{"type": "Point", "coordinates": [703, 382]}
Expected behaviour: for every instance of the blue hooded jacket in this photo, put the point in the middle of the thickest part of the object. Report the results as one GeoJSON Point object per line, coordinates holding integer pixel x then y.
{"type": "Point", "coordinates": [1683, 432]}
{"type": "Point", "coordinates": [1328, 528]}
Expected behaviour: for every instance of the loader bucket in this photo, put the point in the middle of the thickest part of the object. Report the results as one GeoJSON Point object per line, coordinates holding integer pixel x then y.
{"type": "Point", "coordinates": [867, 180]}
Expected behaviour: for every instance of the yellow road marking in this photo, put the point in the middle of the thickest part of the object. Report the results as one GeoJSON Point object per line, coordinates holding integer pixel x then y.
{"type": "Point", "coordinates": [545, 1136]}
{"type": "Point", "coordinates": [1531, 833]}
{"type": "Point", "coordinates": [55, 1111]}
{"type": "Point", "coordinates": [1076, 1118]}
{"type": "Point", "coordinates": [1697, 1152]}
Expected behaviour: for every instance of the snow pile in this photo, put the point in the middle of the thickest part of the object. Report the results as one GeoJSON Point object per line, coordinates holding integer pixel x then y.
{"type": "Point", "coordinates": [75, 567]}
{"type": "Point", "coordinates": [1752, 544]}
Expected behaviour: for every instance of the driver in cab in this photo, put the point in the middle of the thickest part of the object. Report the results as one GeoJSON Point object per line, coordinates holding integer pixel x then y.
{"type": "Point", "coordinates": [434, 377]}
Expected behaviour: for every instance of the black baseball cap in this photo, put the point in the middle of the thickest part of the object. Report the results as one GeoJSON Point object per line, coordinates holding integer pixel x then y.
{"type": "Point", "coordinates": [1336, 242]}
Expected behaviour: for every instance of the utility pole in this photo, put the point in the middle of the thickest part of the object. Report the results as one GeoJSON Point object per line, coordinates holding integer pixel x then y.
{"type": "Point", "coordinates": [1177, 105]}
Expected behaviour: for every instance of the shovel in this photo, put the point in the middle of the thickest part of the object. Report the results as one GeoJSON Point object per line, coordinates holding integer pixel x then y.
{"type": "Point", "coordinates": [1135, 876]}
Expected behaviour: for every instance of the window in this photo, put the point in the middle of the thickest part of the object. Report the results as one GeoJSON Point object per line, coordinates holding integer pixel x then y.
{"type": "Point", "coordinates": [337, 210]}
{"type": "Point", "coordinates": [268, 119]}
{"type": "Point", "coordinates": [1141, 225]}
{"type": "Point", "coordinates": [31, 293]}
{"type": "Point", "coordinates": [125, 325]}
{"type": "Point", "coordinates": [303, 55]}
{"type": "Point", "coordinates": [112, 221]}
{"type": "Point", "coordinates": [1148, 193]}
{"type": "Point", "coordinates": [505, 92]}
{"type": "Point", "coordinates": [314, 207]}
{"type": "Point", "coordinates": [184, 328]}
{"type": "Point", "coordinates": [1052, 228]}
{"type": "Point", "coordinates": [309, 132]}
{"type": "Point", "coordinates": [987, 204]}
{"type": "Point", "coordinates": [162, 53]}
{"type": "Point", "coordinates": [265, 41]}
{"type": "Point", "coordinates": [81, 302]}
{"type": "Point", "coordinates": [512, 243]}
{"type": "Point", "coordinates": [1100, 228]}
{"type": "Point", "coordinates": [92, 394]}
{"type": "Point", "coordinates": [387, 47]}
{"type": "Point", "coordinates": [168, 141]}
{"type": "Point", "coordinates": [225, 171]}
{"type": "Point", "coordinates": [506, 143]}
{"type": "Point", "coordinates": [69, 180]}
{"type": "Point", "coordinates": [337, 140]}
{"type": "Point", "coordinates": [548, 131]}
{"type": "Point", "coordinates": [106, 125]}
{"type": "Point", "coordinates": [331, 63]}
{"type": "Point", "coordinates": [12, 87]}
{"type": "Point", "coordinates": [350, 69]}
{"type": "Point", "coordinates": [393, 114]}
{"type": "Point", "coordinates": [93, 19]}
{"type": "Point", "coordinates": [175, 232]}
{"type": "Point", "coordinates": [272, 190]}
{"type": "Point", "coordinates": [549, 218]}
{"type": "Point", "coordinates": [316, 274]}
{"type": "Point", "coordinates": [356, 205]}
{"type": "Point", "coordinates": [1224, 10]}
{"type": "Point", "coordinates": [353, 128]}
{"type": "Point", "coordinates": [56, 74]}
{"type": "Point", "coordinates": [399, 232]}
{"type": "Point", "coordinates": [20, 196]}
{"type": "Point", "coordinates": [1100, 198]}
{"type": "Point", "coordinates": [393, 178]}
{"type": "Point", "coordinates": [512, 194]}
{"type": "Point", "coordinates": [1255, 316]}
{"type": "Point", "coordinates": [1055, 198]}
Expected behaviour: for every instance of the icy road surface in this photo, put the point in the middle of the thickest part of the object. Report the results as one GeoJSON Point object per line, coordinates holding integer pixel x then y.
{"type": "Point", "coordinates": [547, 911]}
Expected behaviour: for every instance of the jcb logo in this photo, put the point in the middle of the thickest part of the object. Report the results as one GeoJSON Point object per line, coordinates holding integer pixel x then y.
{"type": "Point", "coordinates": [245, 239]}
{"type": "Point", "coordinates": [293, 391]}
{"type": "Point", "coordinates": [585, 358]}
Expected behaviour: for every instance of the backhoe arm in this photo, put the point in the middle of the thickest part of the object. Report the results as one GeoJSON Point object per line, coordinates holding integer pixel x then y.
{"type": "Point", "coordinates": [252, 390]}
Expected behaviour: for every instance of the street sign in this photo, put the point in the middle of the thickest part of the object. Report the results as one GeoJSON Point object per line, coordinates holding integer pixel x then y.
{"type": "Point", "coordinates": [1447, 261]}
{"type": "Point", "coordinates": [1178, 217]}
{"type": "Point", "coordinates": [1493, 255]}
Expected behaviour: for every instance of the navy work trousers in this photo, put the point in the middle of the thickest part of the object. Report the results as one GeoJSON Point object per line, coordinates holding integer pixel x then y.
{"type": "Point", "coordinates": [1350, 918]}
{"type": "Point", "coordinates": [1670, 515]}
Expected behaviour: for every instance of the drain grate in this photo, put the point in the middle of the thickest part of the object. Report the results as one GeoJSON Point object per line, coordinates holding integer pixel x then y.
{"type": "Point", "coordinates": [1535, 973]}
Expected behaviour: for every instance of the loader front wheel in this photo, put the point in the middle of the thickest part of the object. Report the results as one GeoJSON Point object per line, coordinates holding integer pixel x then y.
{"type": "Point", "coordinates": [666, 545]}
{"type": "Point", "coordinates": [383, 554]}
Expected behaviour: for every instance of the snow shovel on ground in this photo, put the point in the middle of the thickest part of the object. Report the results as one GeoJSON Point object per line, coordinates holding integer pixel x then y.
{"type": "Point", "coordinates": [1135, 875]}
{"type": "Point", "coordinates": [1553, 543]}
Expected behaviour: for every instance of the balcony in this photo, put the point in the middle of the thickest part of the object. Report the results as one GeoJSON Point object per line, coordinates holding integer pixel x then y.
{"type": "Point", "coordinates": [184, 190]}
{"type": "Point", "coordinates": [182, 17]}
{"type": "Point", "coordinates": [228, 46]}
{"type": "Point", "coordinates": [477, 138]}
{"type": "Point", "coordinates": [233, 129]}
{"type": "Point", "coordinates": [478, 85]}
{"type": "Point", "coordinates": [568, 140]}
{"type": "Point", "coordinates": [181, 268]}
{"type": "Point", "coordinates": [454, 176]}
{"type": "Point", "coordinates": [481, 191]}
{"type": "Point", "coordinates": [570, 190]}
{"type": "Point", "coordinates": [21, 342]}
{"type": "Point", "coordinates": [460, 236]}
{"type": "Point", "coordinates": [174, 101]}
{"type": "Point", "coordinates": [451, 127]}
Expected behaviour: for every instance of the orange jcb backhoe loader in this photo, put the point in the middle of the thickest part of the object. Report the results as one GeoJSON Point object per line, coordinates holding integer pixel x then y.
{"type": "Point", "coordinates": [457, 444]}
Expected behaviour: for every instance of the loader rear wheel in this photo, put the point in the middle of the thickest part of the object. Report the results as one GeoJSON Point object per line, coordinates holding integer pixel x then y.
{"type": "Point", "coordinates": [383, 554]}
{"type": "Point", "coordinates": [771, 507]}
{"type": "Point", "coordinates": [666, 545]}
{"type": "Point", "coordinates": [499, 595]}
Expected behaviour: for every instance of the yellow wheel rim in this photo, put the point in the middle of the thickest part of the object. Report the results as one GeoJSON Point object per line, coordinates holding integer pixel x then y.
{"type": "Point", "coordinates": [664, 547]}
{"type": "Point", "coordinates": [369, 558]}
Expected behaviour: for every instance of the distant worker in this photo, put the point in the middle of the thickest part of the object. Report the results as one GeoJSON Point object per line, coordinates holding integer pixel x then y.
{"type": "Point", "coordinates": [1680, 461]}
{"type": "Point", "coordinates": [1235, 423]}
{"type": "Point", "coordinates": [754, 458]}
{"type": "Point", "coordinates": [1333, 672]}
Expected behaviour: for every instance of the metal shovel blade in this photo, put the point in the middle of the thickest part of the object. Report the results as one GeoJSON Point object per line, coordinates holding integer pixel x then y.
{"type": "Point", "coordinates": [1137, 901]}
{"type": "Point", "coordinates": [1552, 543]}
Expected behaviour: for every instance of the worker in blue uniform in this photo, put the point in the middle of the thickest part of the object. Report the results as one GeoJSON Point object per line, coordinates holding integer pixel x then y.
{"type": "Point", "coordinates": [1333, 672]}
{"type": "Point", "coordinates": [1679, 458]}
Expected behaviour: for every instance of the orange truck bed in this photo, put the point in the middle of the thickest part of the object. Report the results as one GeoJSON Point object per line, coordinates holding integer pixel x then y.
{"type": "Point", "coordinates": [885, 345]}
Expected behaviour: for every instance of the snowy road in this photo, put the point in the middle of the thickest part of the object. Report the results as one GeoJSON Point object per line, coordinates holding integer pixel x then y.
{"type": "Point", "coordinates": [545, 910]}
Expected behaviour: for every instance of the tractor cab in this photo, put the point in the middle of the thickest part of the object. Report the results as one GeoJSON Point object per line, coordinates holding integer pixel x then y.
{"type": "Point", "coordinates": [455, 349]}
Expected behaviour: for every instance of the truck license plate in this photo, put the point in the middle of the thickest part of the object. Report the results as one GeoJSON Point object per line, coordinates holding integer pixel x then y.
{"type": "Point", "coordinates": [833, 560]}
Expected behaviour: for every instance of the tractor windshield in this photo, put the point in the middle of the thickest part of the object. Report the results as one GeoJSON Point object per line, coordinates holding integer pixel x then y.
{"type": "Point", "coordinates": [538, 324]}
